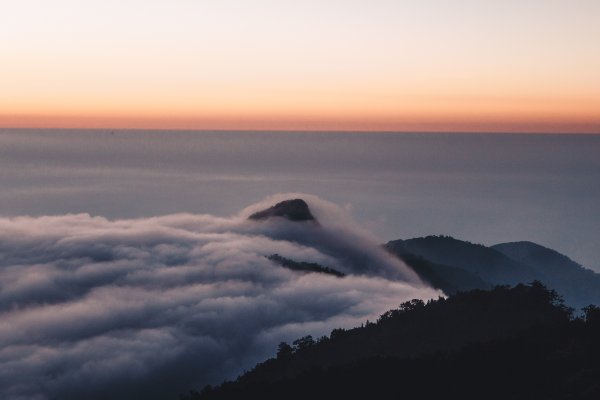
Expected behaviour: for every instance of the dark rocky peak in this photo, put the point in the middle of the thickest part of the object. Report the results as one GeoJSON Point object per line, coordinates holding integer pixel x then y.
{"type": "Point", "coordinates": [294, 210]}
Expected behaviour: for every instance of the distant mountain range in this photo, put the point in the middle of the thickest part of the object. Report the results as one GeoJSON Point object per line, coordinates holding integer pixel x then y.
{"type": "Point", "coordinates": [454, 265]}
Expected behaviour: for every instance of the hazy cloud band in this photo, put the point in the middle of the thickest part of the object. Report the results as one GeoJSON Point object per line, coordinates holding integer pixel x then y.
{"type": "Point", "coordinates": [94, 308]}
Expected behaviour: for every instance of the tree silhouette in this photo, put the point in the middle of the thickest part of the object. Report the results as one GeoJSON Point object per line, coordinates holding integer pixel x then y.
{"type": "Point", "coordinates": [303, 343]}
{"type": "Point", "coordinates": [284, 350]}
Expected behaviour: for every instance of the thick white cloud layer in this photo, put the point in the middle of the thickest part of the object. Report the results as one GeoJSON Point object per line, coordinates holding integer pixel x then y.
{"type": "Point", "coordinates": [94, 308]}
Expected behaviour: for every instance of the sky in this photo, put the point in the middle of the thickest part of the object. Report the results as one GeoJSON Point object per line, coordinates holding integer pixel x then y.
{"type": "Point", "coordinates": [515, 65]}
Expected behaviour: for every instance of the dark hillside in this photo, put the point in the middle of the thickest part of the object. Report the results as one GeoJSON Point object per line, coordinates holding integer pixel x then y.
{"type": "Point", "coordinates": [448, 278]}
{"type": "Point", "coordinates": [502, 344]}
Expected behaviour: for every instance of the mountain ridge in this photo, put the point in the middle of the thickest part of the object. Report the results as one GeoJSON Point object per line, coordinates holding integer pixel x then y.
{"type": "Point", "coordinates": [438, 258]}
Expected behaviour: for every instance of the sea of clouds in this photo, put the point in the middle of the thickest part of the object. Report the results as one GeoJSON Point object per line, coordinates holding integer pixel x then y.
{"type": "Point", "coordinates": [92, 308]}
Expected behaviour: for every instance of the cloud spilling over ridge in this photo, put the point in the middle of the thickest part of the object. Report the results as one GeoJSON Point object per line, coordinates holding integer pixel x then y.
{"type": "Point", "coordinates": [94, 308]}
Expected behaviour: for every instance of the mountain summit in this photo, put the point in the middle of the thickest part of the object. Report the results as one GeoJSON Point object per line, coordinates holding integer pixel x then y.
{"type": "Point", "coordinates": [294, 210]}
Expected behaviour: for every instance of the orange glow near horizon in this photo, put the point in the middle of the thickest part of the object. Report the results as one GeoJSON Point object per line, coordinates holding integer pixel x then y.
{"type": "Point", "coordinates": [460, 114]}
{"type": "Point", "coordinates": [527, 124]}
{"type": "Point", "coordinates": [280, 65]}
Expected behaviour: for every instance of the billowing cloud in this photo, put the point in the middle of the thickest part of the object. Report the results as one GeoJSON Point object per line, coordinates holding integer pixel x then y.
{"type": "Point", "coordinates": [97, 308]}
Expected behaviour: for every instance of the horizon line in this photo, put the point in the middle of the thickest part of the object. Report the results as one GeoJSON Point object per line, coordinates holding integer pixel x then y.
{"type": "Point", "coordinates": [300, 130]}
